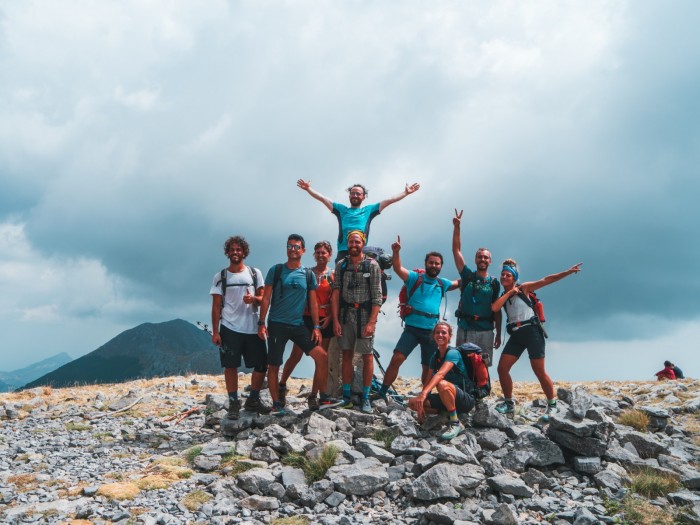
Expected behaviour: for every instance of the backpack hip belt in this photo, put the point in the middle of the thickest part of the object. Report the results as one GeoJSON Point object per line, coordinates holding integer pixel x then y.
{"type": "Point", "coordinates": [535, 321]}
{"type": "Point", "coordinates": [424, 314]}
{"type": "Point", "coordinates": [461, 315]}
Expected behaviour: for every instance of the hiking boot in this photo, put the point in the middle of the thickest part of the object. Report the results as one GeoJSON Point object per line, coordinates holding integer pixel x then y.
{"type": "Point", "coordinates": [346, 403]}
{"type": "Point", "coordinates": [329, 402]}
{"type": "Point", "coordinates": [278, 410]}
{"type": "Point", "coordinates": [376, 396]}
{"type": "Point", "coordinates": [366, 406]}
{"type": "Point", "coordinates": [283, 395]}
{"type": "Point", "coordinates": [312, 402]}
{"type": "Point", "coordinates": [505, 407]}
{"type": "Point", "coordinates": [453, 430]}
{"type": "Point", "coordinates": [234, 409]}
{"type": "Point", "coordinates": [255, 405]}
{"type": "Point", "coordinates": [550, 411]}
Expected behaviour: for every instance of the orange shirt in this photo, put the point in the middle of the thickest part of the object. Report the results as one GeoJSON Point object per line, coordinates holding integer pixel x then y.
{"type": "Point", "coordinates": [323, 295]}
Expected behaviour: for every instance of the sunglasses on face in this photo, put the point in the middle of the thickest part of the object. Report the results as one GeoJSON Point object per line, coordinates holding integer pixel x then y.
{"type": "Point", "coordinates": [356, 193]}
{"type": "Point", "coordinates": [294, 247]}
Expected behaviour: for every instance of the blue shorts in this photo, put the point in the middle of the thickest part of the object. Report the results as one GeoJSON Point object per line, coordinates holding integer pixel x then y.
{"type": "Point", "coordinates": [412, 337]}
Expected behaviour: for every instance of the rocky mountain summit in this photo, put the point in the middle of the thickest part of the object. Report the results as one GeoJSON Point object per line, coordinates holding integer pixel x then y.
{"type": "Point", "coordinates": [162, 451]}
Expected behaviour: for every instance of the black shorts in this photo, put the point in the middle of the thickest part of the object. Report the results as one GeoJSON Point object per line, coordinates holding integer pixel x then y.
{"type": "Point", "coordinates": [234, 345]}
{"type": "Point", "coordinates": [277, 336]}
{"type": "Point", "coordinates": [530, 337]}
{"type": "Point", "coordinates": [326, 333]}
{"type": "Point", "coordinates": [463, 401]}
{"type": "Point", "coordinates": [412, 337]}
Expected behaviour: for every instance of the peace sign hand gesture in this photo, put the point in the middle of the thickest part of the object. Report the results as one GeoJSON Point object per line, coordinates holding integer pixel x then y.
{"type": "Point", "coordinates": [457, 219]}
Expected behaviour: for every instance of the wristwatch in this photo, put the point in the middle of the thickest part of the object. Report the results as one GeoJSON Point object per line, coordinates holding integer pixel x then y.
{"type": "Point", "coordinates": [261, 323]}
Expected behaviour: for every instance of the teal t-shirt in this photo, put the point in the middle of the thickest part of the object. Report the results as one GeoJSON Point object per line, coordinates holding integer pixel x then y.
{"type": "Point", "coordinates": [477, 296]}
{"type": "Point", "coordinates": [350, 219]}
{"type": "Point", "coordinates": [427, 298]}
{"type": "Point", "coordinates": [289, 296]}
{"type": "Point", "coordinates": [458, 372]}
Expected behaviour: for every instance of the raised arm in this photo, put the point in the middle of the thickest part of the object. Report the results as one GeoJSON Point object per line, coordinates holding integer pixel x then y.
{"type": "Point", "coordinates": [536, 285]}
{"type": "Point", "coordinates": [457, 241]}
{"type": "Point", "coordinates": [306, 186]}
{"type": "Point", "coordinates": [400, 271]}
{"type": "Point", "coordinates": [396, 198]}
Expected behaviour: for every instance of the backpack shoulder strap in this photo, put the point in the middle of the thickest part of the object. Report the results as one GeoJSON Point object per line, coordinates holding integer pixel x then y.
{"type": "Point", "coordinates": [254, 276]}
{"type": "Point", "coordinates": [415, 286]}
{"type": "Point", "coordinates": [277, 277]}
{"type": "Point", "coordinates": [309, 279]}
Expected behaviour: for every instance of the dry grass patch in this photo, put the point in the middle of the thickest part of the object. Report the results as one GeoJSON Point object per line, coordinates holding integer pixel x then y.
{"type": "Point", "coordinates": [652, 484]}
{"type": "Point", "coordinates": [638, 511]}
{"type": "Point", "coordinates": [119, 491]}
{"type": "Point", "coordinates": [292, 520]}
{"type": "Point", "coordinates": [23, 482]}
{"type": "Point", "coordinates": [636, 419]}
{"type": "Point", "coordinates": [239, 465]}
{"type": "Point", "coordinates": [154, 482]}
{"type": "Point", "coordinates": [77, 522]}
{"type": "Point", "coordinates": [196, 499]}
{"type": "Point", "coordinates": [77, 427]}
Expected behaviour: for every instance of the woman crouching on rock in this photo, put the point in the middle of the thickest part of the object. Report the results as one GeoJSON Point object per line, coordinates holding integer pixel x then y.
{"type": "Point", "coordinates": [526, 332]}
{"type": "Point", "coordinates": [446, 373]}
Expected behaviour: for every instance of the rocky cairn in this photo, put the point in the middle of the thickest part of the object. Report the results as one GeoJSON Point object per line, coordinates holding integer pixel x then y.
{"type": "Point", "coordinates": [122, 455]}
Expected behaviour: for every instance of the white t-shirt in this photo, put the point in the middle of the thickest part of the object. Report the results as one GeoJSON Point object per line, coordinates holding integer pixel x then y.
{"type": "Point", "coordinates": [236, 315]}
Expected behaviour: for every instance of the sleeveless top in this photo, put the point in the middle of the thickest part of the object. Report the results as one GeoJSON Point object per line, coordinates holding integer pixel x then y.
{"type": "Point", "coordinates": [517, 311]}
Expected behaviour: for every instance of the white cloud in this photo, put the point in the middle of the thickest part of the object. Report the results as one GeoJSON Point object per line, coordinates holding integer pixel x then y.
{"type": "Point", "coordinates": [143, 99]}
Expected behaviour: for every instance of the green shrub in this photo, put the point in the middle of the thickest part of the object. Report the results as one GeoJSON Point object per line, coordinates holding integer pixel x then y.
{"type": "Point", "coordinates": [192, 453]}
{"type": "Point", "coordinates": [314, 469]}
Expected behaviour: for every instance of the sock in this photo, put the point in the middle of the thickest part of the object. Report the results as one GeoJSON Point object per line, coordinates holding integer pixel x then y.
{"type": "Point", "coordinates": [365, 392]}
{"type": "Point", "coordinates": [453, 416]}
{"type": "Point", "coordinates": [283, 385]}
{"type": "Point", "coordinates": [509, 400]}
{"type": "Point", "coordinates": [346, 391]}
{"type": "Point", "coordinates": [233, 396]}
{"type": "Point", "coordinates": [324, 396]}
{"type": "Point", "coordinates": [254, 394]}
{"type": "Point", "coordinates": [552, 402]}
{"type": "Point", "coordinates": [383, 390]}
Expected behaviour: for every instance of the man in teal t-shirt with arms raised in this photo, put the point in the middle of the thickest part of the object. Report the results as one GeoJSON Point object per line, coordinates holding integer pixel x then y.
{"type": "Point", "coordinates": [355, 217]}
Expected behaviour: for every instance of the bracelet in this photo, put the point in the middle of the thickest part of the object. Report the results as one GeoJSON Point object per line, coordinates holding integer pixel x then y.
{"type": "Point", "coordinates": [261, 323]}
{"type": "Point", "coordinates": [317, 327]}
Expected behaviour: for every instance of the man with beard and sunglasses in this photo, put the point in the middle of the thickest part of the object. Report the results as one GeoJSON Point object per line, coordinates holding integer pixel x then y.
{"type": "Point", "coordinates": [355, 304]}
{"type": "Point", "coordinates": [289, 287]}
{"type": "Point", "coordinates": [355, 217]}
{"type": "Point", "coordinates": [476, 319]}
{"type": "Point", "coordinates": [425, 294]}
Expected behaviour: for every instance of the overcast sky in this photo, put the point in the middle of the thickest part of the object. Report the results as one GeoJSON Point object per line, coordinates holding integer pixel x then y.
{"type": "Point", "coordinates": [136, 136]}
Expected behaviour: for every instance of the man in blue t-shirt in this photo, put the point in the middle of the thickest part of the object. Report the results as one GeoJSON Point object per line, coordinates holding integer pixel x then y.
{"type": "Point", "coordinates": [425, 294]}
{"type": "Point", "coordinates": [288, 287]}
{"type": "Point", "coordinates": [479, 290]}
{"type": "Point", "coordinates": [355, 217]}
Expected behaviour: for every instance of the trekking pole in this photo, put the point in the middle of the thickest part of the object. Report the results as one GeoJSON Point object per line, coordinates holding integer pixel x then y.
{"type": "Point", "coordinates": [205, 327]}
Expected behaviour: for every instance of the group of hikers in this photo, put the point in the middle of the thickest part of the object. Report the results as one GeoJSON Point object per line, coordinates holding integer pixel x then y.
{"type": "Point", "coordinates": [254, 318]}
